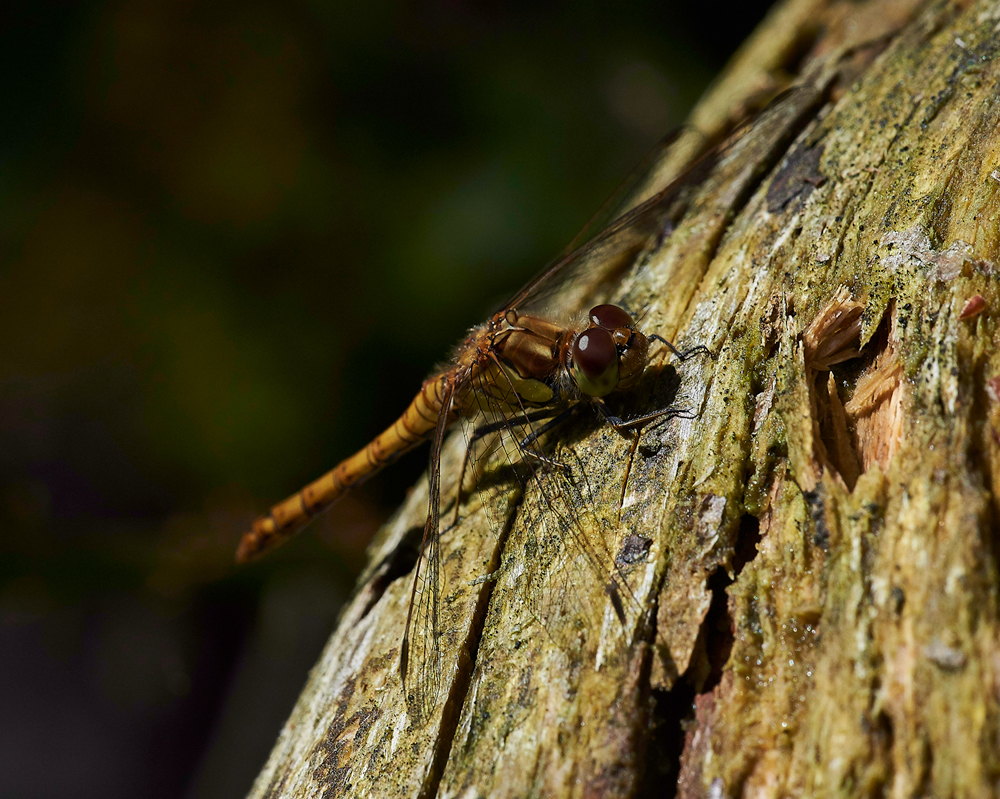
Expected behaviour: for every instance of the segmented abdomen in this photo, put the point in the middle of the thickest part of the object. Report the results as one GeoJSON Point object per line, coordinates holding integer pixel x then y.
{"type": "Point", "coordinates": [288, 517]}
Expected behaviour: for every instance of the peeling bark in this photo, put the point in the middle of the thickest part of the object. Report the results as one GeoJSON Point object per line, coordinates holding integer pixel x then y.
{"type": "Point", "coordinates": [810, 550]}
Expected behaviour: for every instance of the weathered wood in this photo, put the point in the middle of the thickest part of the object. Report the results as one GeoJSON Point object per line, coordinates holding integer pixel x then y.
{"type": "Point", "coordinates": [817, 610]}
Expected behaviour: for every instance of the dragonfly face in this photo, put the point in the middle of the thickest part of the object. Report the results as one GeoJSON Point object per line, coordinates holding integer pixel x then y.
{"type": "Point", "coordinates": [610, 354]}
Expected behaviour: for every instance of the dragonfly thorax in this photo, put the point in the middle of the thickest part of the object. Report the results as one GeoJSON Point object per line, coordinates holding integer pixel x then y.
{"type": "Point", "coordinates": [519, 361]}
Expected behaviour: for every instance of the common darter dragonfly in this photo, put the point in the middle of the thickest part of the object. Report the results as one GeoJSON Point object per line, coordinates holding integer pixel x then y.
{"type": "Point", "coordinates": [513, 379]}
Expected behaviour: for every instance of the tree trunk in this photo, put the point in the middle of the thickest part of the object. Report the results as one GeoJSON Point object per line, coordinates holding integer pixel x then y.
{"type": "Point", "coordinates": [811, 549]}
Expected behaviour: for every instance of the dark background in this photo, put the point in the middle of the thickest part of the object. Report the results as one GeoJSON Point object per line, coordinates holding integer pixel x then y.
{"type": "Point", "coordinates": [234, 239]}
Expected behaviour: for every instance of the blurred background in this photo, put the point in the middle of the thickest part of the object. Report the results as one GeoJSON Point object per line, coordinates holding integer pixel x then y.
{"type": "Point", "coordinates": [236, 237]}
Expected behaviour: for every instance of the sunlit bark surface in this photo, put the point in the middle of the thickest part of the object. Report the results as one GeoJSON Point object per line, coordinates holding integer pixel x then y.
{"type": "Point", "coordinates": [809, 559]}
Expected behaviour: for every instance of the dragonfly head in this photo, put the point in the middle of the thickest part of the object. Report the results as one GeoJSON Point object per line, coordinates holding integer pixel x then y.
{"type": "Point", "coordinates": [610, 354]}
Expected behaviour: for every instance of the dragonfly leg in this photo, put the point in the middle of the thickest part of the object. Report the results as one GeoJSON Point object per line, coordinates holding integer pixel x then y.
{"type": "Point", "coordinates": [682, 354]}
{"type": "Point", "coordinates": [494, 427]}
{"type": "Point", "coordinates": [558, 419]}
{"type": "Point", "coordinates": [621, 425]}
{"type": "Point", "coordinates": [526, 443]}
{"type": "Point", "coordinates": [625, 427]}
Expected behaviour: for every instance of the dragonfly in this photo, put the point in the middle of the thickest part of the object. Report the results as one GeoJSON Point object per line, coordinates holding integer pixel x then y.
{"type": "Point", "coordinates": [518, 374]}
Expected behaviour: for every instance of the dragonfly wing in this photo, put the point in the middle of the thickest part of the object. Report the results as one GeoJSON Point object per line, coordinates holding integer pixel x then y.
{"type": "Point", "coordinates": [584, 274]}
{"type": "Point", "coordinates": [496, 469]}
{"type": "Point", "coordinates": [559, 527]}
{"type": "Point", "coordinates": [570, 532]}
{"type": "Point", "coordinates": [420, 653]}
{"type": "Point", "coordinates": [420, 659]}
{"type": "Point", "coordinates": [600, 254]}
{"type": "Point", "coordinates": [636, 188]}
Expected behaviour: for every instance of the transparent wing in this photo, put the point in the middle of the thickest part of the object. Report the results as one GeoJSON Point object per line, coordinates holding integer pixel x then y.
{"type": "Point", "coordinates": [420, 653]}
{"type": "Point", "coordinates": [550, 495]}
{"type": "Point", "coordinates": [600, 253]}
{"type": "Point", "coordinates": [420, 658]}
{"type": "Point", "coordinates": [532, 478]}
{"type": "Point", "coordinates": [633, 190]}
{"type": "Point", "coordinates": [579, 276]}
{"type": "Point", "coordinates": [570, 533]}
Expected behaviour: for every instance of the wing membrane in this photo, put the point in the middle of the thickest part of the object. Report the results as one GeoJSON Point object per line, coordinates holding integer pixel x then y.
{"type": "Point", "coordinates": [420, 653]}
{"type": "Point", "coordinates": [599, 255]}
{"type": "Point", "coordinates": [568, 531]}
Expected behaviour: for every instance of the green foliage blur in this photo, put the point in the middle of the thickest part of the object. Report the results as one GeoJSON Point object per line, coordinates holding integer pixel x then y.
{"type": "Point", "coordinates": [236, 237]}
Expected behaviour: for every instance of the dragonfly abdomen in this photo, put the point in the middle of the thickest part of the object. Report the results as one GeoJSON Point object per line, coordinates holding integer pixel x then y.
{"type": "Point", "coordinates": [414, 426]}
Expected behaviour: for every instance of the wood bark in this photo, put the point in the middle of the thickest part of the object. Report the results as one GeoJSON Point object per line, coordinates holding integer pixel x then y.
{"type": "Point", "coordinates": [812, 552]}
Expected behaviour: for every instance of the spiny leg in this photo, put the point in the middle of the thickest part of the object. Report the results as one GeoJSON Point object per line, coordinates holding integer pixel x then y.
{"type": "Point", "coordinates": [534, 435]}
{"type": "Point", "coordinates": [494, 427]}
{"type": "Point", "coordinates": [682, 355]}
{"type": "Point", "coordinates": [622, 425]}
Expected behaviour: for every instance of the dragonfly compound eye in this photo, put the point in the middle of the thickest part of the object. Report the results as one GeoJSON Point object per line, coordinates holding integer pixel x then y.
{"type": "Point", "coordinates": [595, 362]}
{"type": "Point", "coordinates": [610, 317]}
